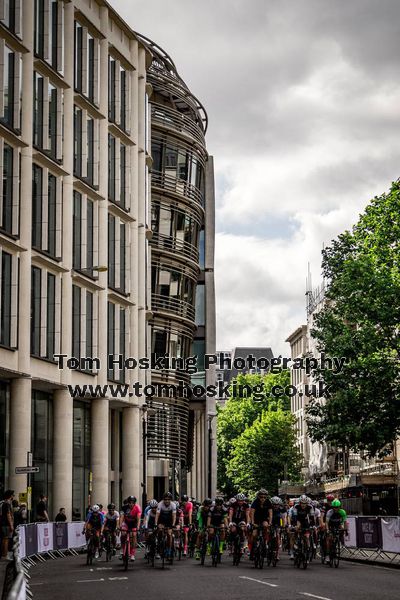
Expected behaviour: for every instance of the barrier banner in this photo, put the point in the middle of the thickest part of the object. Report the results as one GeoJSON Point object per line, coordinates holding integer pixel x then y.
{"type": "Point", "coordinates": [351, 540]}
{"type": "Point", "coordinates": [31, 546]}
{"type": "Point", "coordinates": [76, 538]}
{"type": "Point", "coordinates": [60, 536]}
{"type": "Point", "coordinates": [369, 533]}
{"type": "Point", "coordinates": [22, 549]}
{"type": "Point", "coordinates": [45, 537]}
{"type": "Point", "coordinates": [390, 534]}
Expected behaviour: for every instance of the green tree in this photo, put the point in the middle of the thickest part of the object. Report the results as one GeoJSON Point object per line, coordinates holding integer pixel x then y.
{"type": "Point", "coordinates": [239, 413]}
{"type": "Point", "coordinates": [360, 321]}
{"type": "Point", "coordinates": [264, 453]}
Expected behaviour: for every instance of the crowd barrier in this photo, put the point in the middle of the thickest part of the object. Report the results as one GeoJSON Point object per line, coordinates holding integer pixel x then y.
{"type": "Point", "coordinates": [374, 532]}
{"type": "Point", "coordinates": [37, 538]}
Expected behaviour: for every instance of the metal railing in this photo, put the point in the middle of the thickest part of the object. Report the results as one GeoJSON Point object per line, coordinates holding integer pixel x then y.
{"type": "Point", "coordinates": [172, 244]}
{"type": "Point", "coordinates": [178, 308]}
{"type": "Point", "coordinates": [181, 187]}
{"type": "Point", "coordinates": [14, 587]}
{"type": "Point", "coordinates": [161, 115]}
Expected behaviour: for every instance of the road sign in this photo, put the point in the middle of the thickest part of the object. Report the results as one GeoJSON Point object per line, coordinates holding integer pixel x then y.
{"type": "Point", "coordinates": [21, 470]}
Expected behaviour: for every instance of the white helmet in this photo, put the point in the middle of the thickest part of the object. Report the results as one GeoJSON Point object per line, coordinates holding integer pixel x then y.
{"type": "Point", "coordinates": [232, 501]}
{"type": "Point", "coordinates": [276, 500]}
{"type": "Point", "coordinates": [153, 503]}
{"type": "Point", "coordinates": [95, 508]}
{"type": "Point", "coordinates": [304, 499]}
{"type": "Point", "coordinates": [240, 497]}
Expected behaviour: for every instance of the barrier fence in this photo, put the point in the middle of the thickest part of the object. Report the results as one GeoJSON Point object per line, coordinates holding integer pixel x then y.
{"type": "Point", "coordinates": [46, 537]}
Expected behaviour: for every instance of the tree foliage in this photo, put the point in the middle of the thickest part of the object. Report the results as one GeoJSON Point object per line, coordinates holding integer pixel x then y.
{"type": "Point", "coordinates": [237, 418]}
{"type": "Point", "coordinates": [360, 321]}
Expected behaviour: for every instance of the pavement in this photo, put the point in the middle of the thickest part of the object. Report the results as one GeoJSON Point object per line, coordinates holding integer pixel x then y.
{"type": "Point", "coordinates": [71, 579]}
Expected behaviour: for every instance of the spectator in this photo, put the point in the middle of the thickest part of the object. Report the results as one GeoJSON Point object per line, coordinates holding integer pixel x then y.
{"type": "Point", "coordinates": [61, 517]}
{"type": "Point", "coordinates": [7, 522]}
{"type": "Point", "coordinates": [21, 515]}
{"type": "Point", "coordinates": [41, 510]}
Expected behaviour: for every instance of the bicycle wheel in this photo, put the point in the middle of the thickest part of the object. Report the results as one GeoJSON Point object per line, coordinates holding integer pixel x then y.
{"type": "Point", "coordinates": [203, 550]}
{"type": "Point", "coordinates": [125, 555]}
{"type": "Point", "coordinates": [89, 552]}
{"type": "Point", "coordinates": [215, 551]}
{"type": "Point", "coordinates": [306, 556]}
{"type": "Point", "coordinates": [322, 552]}
{"type": "Point", "coordinates": [336, 558]}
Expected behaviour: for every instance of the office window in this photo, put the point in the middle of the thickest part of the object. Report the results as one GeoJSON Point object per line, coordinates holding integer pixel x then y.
{"type": "Point", "coordinates": [84, 234]}
{"type": "Point", "coordinates": [86, 147]}
{"type": "Point", "coordinates": [118, 93]}
{"type": "Point", "coordinates": [6, 298]}
{"type": "Point", "coordinates": [76, 321]}
{"type": "Point", "coordinates": [84, 317]}
{"type": "Point", "coordinates": [49, 32]}
{"type": "Point", "coordinates": [118, 173]}
{"type": "Point", "coordinates": [10, 15]}
{"type": "Point", "coordinates": [86, 63]}
{"type": "Point", "coordinates": [10, 86]}
{"type": "Point", "coordinates": [123, 175]}
{"type": "Point", "coordinates": [110, 335]}
{"type": "Point", "coordinates": [9, 189]}
{"type": "Point", "coordinates": [89, 324]}
{"type": "Point", "coordinates": [47, 116]}
{"type": "Point", "coordinates": [111, 167]}
{"type": "Point", "coordinates": [122, 343]}
{"type": "Point", "coordinates": [117, 258]}
{"type": "Point", "coordinates": [45, 313]}
{"type": "Point", "coordinates": [117, 328]}
{"type": "Point", "coordinates": [46, 211]}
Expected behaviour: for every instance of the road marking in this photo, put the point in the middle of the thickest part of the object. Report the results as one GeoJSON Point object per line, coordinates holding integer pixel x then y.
{"type": "Point", "coordinates": [38, 583]}
{"type": "Point", "coordinates": [117, 578]}
{"type": "Point", "coordinates": [259, 581]}
{"type": "Point", "coordinates": [87, 580]}
{"type": "Point", "coordinates": [103, 569]}
{"type": "Point", "coordinates": [314, 596]}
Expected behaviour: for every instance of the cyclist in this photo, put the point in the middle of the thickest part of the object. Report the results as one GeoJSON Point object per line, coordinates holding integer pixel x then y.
{"type": "Point", "coordinates": [187, 508]}
{"type": "Point", "coordinates": [217, 518]}
{"type": "Point", "coordinates": [315, 521]}
{"type": "Point", "coordinates": [303, 511]}
{"type": "Point", "coordinates": [129, 523]}
{"type": "Point", "coordinates": [291, 520]}
{"type": "Point", "coordinates": [202, 517]}
{"type": "Point", "coordinates": [239, 518]}
{"type": "Point", "coordinates": [279, 518]}
{"type": "Point", "coordinates": [111, 520]}
{"type": "Point", "coordinates": [260, 516]}
{"type": "Point", "coordinates": [150, 522]}
{"type": "Point", "coordinates": [166, 517]}
{"type": "Point", "coordinates": [94, 522]}
{"type": "Point", "coordinates": [336, 518]}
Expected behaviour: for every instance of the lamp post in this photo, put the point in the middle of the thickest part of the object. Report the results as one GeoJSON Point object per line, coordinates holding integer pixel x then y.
{"type": "Point", "coordinates": [145, 434]}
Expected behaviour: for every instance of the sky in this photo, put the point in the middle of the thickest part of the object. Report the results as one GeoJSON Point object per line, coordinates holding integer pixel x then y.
{"type": "Point", "coordinates": [303, 102]}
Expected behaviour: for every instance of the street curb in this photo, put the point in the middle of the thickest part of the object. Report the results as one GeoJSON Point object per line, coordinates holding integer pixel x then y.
{"type": "Point", "coordinates": [371, 562]}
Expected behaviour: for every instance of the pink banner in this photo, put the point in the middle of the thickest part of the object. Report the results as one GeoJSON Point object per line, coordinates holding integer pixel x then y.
{"type": "Point", "coordinates": [390, 534]}
{"type": "Point", "coordinates": [44, 537]}
{"type": "Point", "coordinates": [351, 540]}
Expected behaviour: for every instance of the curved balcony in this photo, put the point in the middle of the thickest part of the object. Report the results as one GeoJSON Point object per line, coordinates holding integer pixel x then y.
{"type": "Point", "coordinates": [168, 183]}
{"type": "Point", "coordinates": [170, 244]}
{"type": "Point", "coordinates": [178, 122]}
{"type": "Point", "coordinates": [168, 429]}
{"type": "Point", "coordinates": [177, 308]}
{"type": "Point", "coordinates": [170, 376]}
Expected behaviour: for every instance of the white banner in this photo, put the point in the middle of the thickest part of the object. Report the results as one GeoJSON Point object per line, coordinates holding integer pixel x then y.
{"type": "Point", "coordinates": [22, 548]}
{"type": "Point", "coordinates": [76, 538]}
{"type": "Point", "coordinates": [44, 537]}
{"type": "Point", "coordinates": [351, 540]}
{"type": "Point", "coordinates": [390, 534]}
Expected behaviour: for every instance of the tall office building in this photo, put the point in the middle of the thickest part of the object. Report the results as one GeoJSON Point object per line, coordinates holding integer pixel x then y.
{"type": "Point", "coordinates": [76, 270]}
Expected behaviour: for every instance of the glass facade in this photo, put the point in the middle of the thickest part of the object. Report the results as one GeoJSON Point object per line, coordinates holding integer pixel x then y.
{"type": "Point", "coordinates": [47, 99]}
{"type": "Point", "coordinates": [175, 229]}
{"type": "Point", "coordinates": [49, 35]}
{"type": "Point", "coordinates": [44, 235]}
{"type": "Point", "coordinates": [7, 204]}
{"type": "Point", "coordinates": [4, 429]}
{"type": "Point", "coordinates": [81, 459]}
{"type": "Point", "coordinates": [6, 283]}
{"type": "Point", "coordinates": [42, 446]}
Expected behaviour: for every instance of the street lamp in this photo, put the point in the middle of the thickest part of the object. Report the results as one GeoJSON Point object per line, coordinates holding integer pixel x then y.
{"type": "Point", "coordinates": [145, 434]}
{"type": "Point", "coordinates": [210, 417]}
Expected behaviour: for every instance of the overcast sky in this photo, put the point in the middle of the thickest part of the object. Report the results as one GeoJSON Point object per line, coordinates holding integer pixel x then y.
{"type": "Point", "coordinates": [303, 100]}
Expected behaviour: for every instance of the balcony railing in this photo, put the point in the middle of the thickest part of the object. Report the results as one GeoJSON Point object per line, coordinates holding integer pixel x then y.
{"type": "Point", "coordinates": [175, 245]}
{"type": "Point", "coordinates": [178, 308]}
{"type": "Point", "coordinates": [161, 115]}
{"type": "Point", "coordinates": [181, 187]}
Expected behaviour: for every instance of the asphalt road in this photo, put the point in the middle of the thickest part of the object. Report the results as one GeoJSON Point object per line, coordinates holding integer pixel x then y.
{"type": "Point", "coordinates": [71, 579]}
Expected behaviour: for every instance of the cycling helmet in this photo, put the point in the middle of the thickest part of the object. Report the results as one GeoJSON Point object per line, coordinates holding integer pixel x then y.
{"type": "Point", "coordinates": [111, 506]}
{"type": "Point", "coordinates": [240, 497]}
{"type": "Point", "coordinates": [303, 499]}
{"type": "Point", "coordinates": [219, 500]}
{"type": "Point", "coordinates": [232, 501]}
{"type": "Point", "coordinates": [95, 508]}
{"type": "Point", "coordinates": [131, 499]}
{"type": "Point", "coordinates": [336, 503]}
{"type": "Point", "coordinates": [207, 502]}
{"type": "Point", "coordinates": [330, 497]}
{"type": "Point", "coordinates": [276, 500]}
{"type": "Point", "coordinates": [185, 498]}
{"type": "Point", "coordinates": [153, 503]}
{"type": "Point", "coordinates": [262, 492]}
{"type": "Point", "coordinates": [167, 496]}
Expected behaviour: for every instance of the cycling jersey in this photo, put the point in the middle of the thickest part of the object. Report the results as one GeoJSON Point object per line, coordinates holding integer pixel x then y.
{"type": "Point", "coordinates": [261, 511]}
{"type": "Point", "coordinates": [238, 512]}
{"type": "Point", "coordinates": [179, 516]}
{"type": "Point", "coordinates": [95, 519]}
{"type": "Point", "coordinates": [217, 514]}
{"type": "Point", "coordinates": [314, 519]}
{"type": "Point", "coordinates": [150, 520]}
{"type": "Point", "coordinates": [335, 519]}
{"type": "Point", "coordinates": [324, 510]}
{"type": "Point", "coordinates": [111, 520]}
{"type": "Point", "coordinates": [277, 516]}
{"type": "Point", "coordinates": [303, 515]}
{"type": "Point", "coordinates": [187, 507]}
{"type": "Point", "coordinates": [292, 516]}
{"type": "Point", "coordinates": [166, 513]}
{"type": "Point", "coordinates": [132, 516]}
{"type": "Point", "coordinates": [202, 516]}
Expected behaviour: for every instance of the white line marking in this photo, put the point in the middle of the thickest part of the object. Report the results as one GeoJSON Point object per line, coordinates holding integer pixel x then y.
{"type": "Point", "coordinates": [104, 569]}
{"type": "Point", "coordinates": [31, 584]}
{"type": "Point", "coordinates": [259, 581]}
{"type": "Point", "coordinates": [314, 596]}
{"type": "Point", "coordinates": [87, 580]}
{"type": "Point", "coordinates": [117, 578]}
